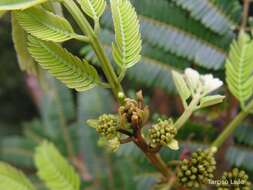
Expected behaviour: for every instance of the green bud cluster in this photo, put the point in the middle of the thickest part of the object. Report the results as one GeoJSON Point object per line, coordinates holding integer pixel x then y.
{"type": "Point", "coordinates": [197, 170]}
{"type": "Point", "coordinates": [107, 126]}
{"type": "Point", "coordinates": [235, 179]}
{"type": "Point", "coordinates": [162, 133]}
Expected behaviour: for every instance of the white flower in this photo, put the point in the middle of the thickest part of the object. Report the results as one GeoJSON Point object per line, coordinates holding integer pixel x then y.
{"type": "Point", "coordinates": [192, 78]}
{"type": "Point", "coordinates": [210, 83]}
{"type": "Point", "coordinates": [201, 83]}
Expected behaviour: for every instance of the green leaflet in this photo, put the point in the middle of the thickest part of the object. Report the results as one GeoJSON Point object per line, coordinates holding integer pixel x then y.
{"type": "Point", "coordinates": [93, 8]}
{"type": "Point", "coordinates": [239, 68]}
{"type": "Point", "coordinates": [63, 65]}
{"type": "Point", "coordinates": [45, 25]}
{"type": "Point", "coordinates": [54, 7]}
{"type": "Point", "coordinates": [210, 100]}
{"type": "Point", "coordinates": [19, 38]}
{"type": "Point", "coordinates": [181, 86]}
{"type": "Point", "coordinates": [128, 45]}
{"type": "Point", "coordinates": [54, 170]}
{"type": "Point", "coordinates": [18, 4]}
{"type": "Point", "coordinates": [11, 178]}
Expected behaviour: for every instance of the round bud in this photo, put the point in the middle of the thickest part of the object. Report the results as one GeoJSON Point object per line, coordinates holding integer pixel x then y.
{"type": "Point", "coordinates": [197, 170]}
{"type": "Point", "coordinates": [162, 133]}
{"type": "Point", "coordinates": [235, 179]}
{"type": "Point", "coordinates": [107, 126]}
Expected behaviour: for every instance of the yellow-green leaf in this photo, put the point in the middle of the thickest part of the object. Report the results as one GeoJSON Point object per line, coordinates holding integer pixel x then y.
{"type": "Point", "coordinates": [19, 38]}
{"type": "Point", "coordinates": [54, 170]}
{"type": "Point", "coordinates": [128, 44]}
{"type": "Point", "coordinates": [60, 63]}
{"type": "Point", "coordinates": [211, 100]}
{"type": "Point", "coordinates": [239, 68]}
{"type": "Point", "coordinates": [181, 86]}
{"type": "Point", "coordinates": [13, 179]}
{"type": "Point", "coordinates": [18, 4]}
{"type": "Point", "coordinates": [45, 25]}
{"type": "Point", "coordinates": [93, 8]}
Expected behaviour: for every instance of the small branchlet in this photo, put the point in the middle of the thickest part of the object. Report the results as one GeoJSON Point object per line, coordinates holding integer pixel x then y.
{"type": "Point", "coordinates": [197, 170]}
{"type": "Point", "coordinates": [163, 133]}
{"type": "Point", "coordinates": [235, 179]}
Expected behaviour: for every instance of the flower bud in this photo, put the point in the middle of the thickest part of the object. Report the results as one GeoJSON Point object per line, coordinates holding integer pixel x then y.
{"type": "Point", "coordinates": [134, 111]}
{"type": "Point", "coordinates": [235, 179]}
{"type": "Point", "coordinates": [107, 126]}
{"type": "Point", "coordinates": [163, 133]}
{"type": "Point", "coordinates": [197, 170]}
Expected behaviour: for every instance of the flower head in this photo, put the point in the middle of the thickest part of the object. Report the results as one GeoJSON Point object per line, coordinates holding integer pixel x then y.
{"type": "Point", "coordinates": [163, 133]}
{"type": "Point", "coordinates": [238, 180]}
{"type": "Point", "coordinates": [197, 170]}
{"type": "Point", "coordinates": [106, 125]}
{"type": "Point", "coordinates": [203, 84]}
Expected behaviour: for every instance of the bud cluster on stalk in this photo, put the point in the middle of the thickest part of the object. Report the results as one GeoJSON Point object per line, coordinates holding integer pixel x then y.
{"type": "Point", "coordinates": [107, 126]}
{"type": "Point", "coordinates": [197, 170]}
{"type": "Point", "coordinates": [163, 134]}
{"type": "Point", "coordinates": [235, 179]}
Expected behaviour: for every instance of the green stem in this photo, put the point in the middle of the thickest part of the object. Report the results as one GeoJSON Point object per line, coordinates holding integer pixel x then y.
{"type": "Point", "coordinates": [232, 126]}
{"type": "Point", "coordinates": [187, 113]}
{"type": "Point", "coordinates": [96, 45]}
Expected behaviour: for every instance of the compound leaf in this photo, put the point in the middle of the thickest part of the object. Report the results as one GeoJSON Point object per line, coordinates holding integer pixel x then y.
{"type": "Point", "coordinates": [239, 68]}
{"type": "Point", "coordinates": [11, 178]}
{"type": "Point", "coordinates": [54, 170]}
{"type": "Point", "coordinates": [128, 44]}
{"type": "Point", "coordinates": [66, 67]}
{"type": "Point", "coordinates": [45, 25]}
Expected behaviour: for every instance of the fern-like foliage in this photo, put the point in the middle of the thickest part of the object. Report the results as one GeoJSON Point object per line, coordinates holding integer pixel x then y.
{"type": "Point", "coordinates": [170, 39]}
{"type": "Point", "coordinates": [168, 13]}
{"type": "Point", "coordinates": [211, 16]}
{"type": "Point", "coordinates": [244, 135]}
{"type": "Point", "coordinates": [239, 68]}
{"type": "Point", "coordinates": [93, 8]}
{"type": "Point", "coordinates": [19, 38]}
{"type": "Point", "coordinates": [240, 157]}
{"type": "Point", "coordinates": [11, 178]}
{"type": "Point", "coordinates": [150, 72]}
{"type": "Point", "coordinates": [45, 25]}
{"type": "Point", "coordinates": [63, 65]}
{"type": "Point", "coordinates": [127, 48]}
{"type": "Point", "coordinates": [54, 170]}
{"type": "Point", "coordinates": [18, 4]}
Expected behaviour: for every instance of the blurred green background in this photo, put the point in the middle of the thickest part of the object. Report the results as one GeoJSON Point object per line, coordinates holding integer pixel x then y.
{"type": "Point", "coordinates": [176, 35]}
